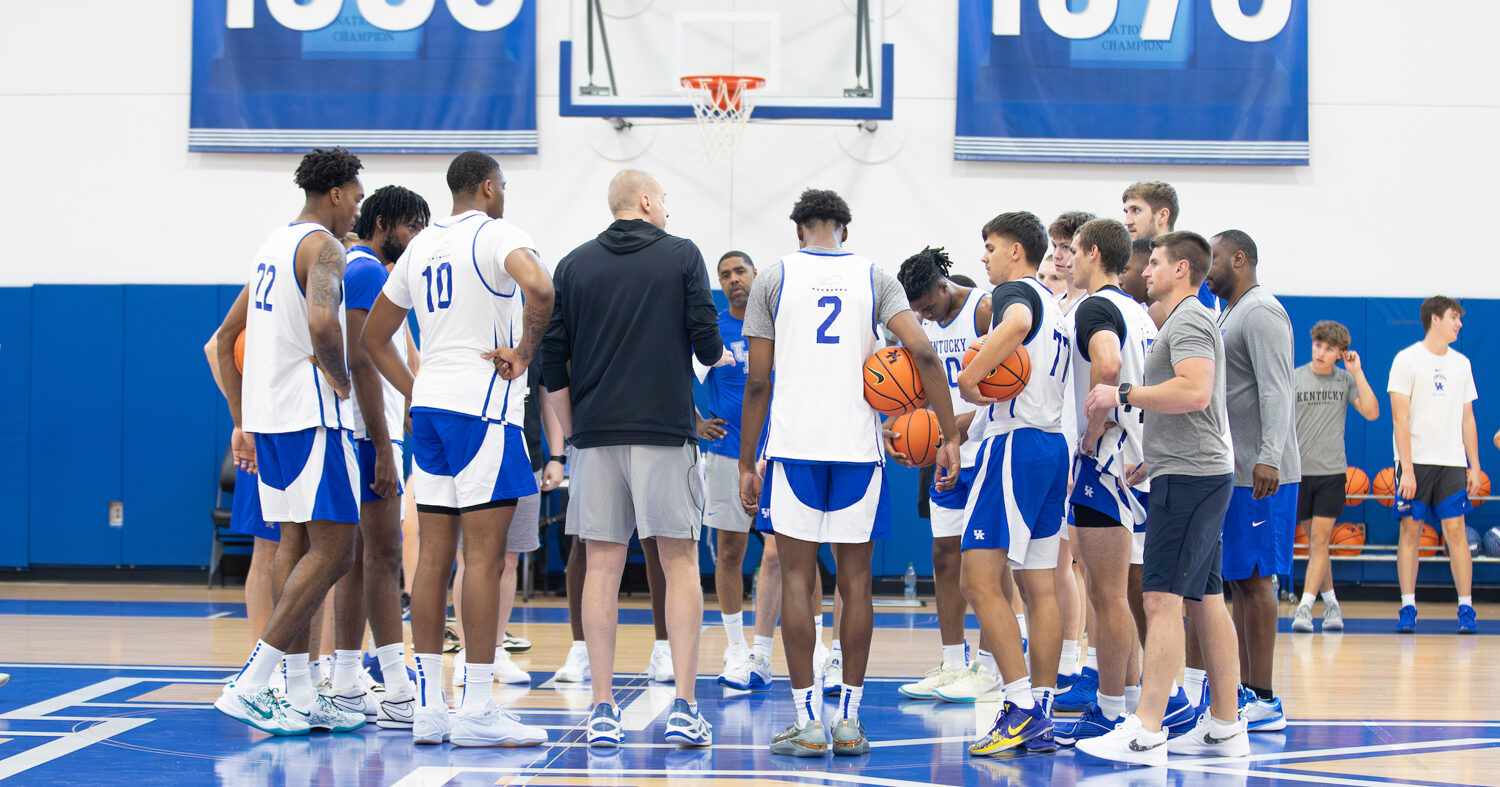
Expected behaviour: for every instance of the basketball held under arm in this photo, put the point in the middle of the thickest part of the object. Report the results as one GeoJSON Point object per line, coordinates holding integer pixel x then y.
{"type": "Point", "coordinates": [930, 369]}
{"type": "Point", "coordinates": [227, 374]}
{"type": "Point", "coordinates": [999, 344]}
{"type": "Point", "coordinates": [379, 327]}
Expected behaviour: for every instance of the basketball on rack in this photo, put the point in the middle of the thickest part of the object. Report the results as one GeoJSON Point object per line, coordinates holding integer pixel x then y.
{"type": "Point", "coordinates": [1385, 484]}
{"type": "Point", "coordinates": [1348, 539]}
{"type": "Point", "coordinates": [1492, 542]}
{"type": "Point", "coordinates": [1356, 482]}
{"type": "Point", "coordinates": [1484, 489]}
{"type": "Point", "coordinates": [1299, 541]}
{"type": "Point", "coordinates": [1431, 542]}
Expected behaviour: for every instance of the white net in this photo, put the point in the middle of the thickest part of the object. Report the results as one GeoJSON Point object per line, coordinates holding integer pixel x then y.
{"type": "Point", "coordinates": [722, 105]}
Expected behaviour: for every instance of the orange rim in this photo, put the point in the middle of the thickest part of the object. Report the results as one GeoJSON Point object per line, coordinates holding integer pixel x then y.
{"type": "Point", "coordinates": [724, 90]}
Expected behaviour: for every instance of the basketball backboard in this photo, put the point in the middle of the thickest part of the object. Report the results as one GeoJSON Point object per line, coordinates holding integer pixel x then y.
{"type": "Point", "coordinates": [821, 59]}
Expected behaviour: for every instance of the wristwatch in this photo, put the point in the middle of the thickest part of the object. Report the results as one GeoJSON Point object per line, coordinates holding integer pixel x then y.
{"type": "Point", "coordinates": [1123, 397]}
{"type": "Point", "coordinates": [558, 458]}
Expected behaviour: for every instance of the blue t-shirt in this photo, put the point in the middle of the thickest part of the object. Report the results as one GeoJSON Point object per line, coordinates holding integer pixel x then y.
{"type": "Point", "coordinates": [1207, 298]}
{"type": "Point", "coordinates": [726, 387]}
{"type": "Point", "coordinates": [363, 278]}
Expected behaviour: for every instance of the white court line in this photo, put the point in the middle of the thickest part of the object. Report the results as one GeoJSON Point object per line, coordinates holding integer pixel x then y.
{"type": "Point", "coordinates": [66, 743]}
{"type": "Point", "coordinates": [435, 776]}
{"type": "Point", "coordinates": [218, 615]}
{"type": "Point", "coordinates": [1339, 752]}
{"type": "Point", "coordinates": [151, 705]}
{"type": "Point", "coordinates": [649, 704]}
{"type": "Point", "coordinates": [1289, 776]}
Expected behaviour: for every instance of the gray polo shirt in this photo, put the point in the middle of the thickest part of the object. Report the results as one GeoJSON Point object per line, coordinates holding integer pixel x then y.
{"type": "Point", "coordinates": [1196, 443]}
{"type": "Point", "coordinates": [1322, 406]}
{"type": "Point", "coordinates": [1258, 351]}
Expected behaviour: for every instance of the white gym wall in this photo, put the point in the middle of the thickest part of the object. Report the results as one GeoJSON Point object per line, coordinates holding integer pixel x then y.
{"type": "Point", "coordinates": [100, 188]}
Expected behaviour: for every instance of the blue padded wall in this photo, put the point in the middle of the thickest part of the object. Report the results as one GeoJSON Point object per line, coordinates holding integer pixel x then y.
{"type": "Point", "coordinates": [15, 402]}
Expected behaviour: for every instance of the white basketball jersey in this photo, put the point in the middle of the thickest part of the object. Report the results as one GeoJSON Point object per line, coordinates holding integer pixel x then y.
{"type": "Point", "coordinates": [283, 391]}
{"type": "Point", "coordinates": [951, 340]}
{"type": "Point", "coordinates": [395, 403]}
{"type": "Point", "coordinates": [453, 277]}
{"type": "Point", "coordinates": [1119, 450]}
{"type": "Point", "coordinates": [1072, 426]}
{"type": "Point", "coordinates": [825, 329]}
{"type": "Point", "coordinates": [1040, 403]}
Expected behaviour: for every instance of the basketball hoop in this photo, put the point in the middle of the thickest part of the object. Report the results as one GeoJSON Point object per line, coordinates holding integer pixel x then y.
{"type": "Point", "coordinates": [722, 103]}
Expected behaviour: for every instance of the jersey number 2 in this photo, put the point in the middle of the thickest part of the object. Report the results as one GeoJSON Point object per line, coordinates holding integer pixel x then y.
{"type": "Point", "coordinates": [443, 279]}
{"type": "Point", "coordinates": [838, 305]}
{"type": "Point", "coordinates": [265, 277]}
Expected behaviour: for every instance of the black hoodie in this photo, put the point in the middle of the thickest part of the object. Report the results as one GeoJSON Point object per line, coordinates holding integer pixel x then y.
{"type": "Point", "coordinates": [632, 308]}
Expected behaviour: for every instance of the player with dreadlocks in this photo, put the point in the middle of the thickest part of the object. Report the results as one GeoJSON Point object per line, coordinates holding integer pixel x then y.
{"type": "Point", "coordinates": [953, 316]}
{"type": "Point", "coordinates": [387, 221]}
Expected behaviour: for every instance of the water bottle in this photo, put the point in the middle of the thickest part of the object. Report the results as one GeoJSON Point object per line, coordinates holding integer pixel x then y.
{"type": "Point", "coordinates": [754, 587]}
{"type": "Point", "coordinates": [911, 582]}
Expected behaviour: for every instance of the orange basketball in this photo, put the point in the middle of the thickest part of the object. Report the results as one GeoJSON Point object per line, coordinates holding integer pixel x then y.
{"type": "Point", "coordinates": [1347, 539]}
{"type": "Point", "coordinates": [239, 352]}
{"type": "Point", "coordinates": [918, 436]}
{"type": "Point", "coordinates": [1355, 483]}
{"type": "Point", "coordinates": [1008, 379]}
{"type": "Point", "coordinates": [1299, 541]}
{"type": "Point", "coordinates": [1484, 489]}
{"type": "Point", "coordinates": [1385, 484]}
{"type": "Point", "coordinates": [891, 382]}
{"type": "Point", "coordinates": [1430, 543]}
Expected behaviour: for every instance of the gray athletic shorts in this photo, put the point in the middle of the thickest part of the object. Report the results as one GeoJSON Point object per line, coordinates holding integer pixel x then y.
{"type": "Point", "coordinates": [524, 535]}
{"type": "Point", "coordinates": [651, 490]}
{"type": "Point", "coordinates": [721, 475]}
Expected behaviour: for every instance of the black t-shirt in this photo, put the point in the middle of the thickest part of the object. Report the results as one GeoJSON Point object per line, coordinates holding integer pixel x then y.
{"type": "Point", "coordinates": [1095, 315]}
{"type": "Point", "coordinates": [531, 421]}
{"type": "Point", "coordinates": [1017, 292]}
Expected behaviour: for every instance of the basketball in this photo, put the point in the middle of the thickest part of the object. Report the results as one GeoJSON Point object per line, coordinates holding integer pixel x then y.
{"type": "Point", "coordinates": [1299, 541]}
{"type": "Point", "coordinates": [239, 352]}
{"type": "Point", "coordinates": [1347, 539]}
{"type": "Point", "coordinates": [1385, 484]}
{"type": "Point", "coordinates": [1471, 536]}
{"type": "Point", "coordinates": [1484, 489]}
{"type": "Point", "coordinates": [918, 436]}
{"type": "Point", "coordinates": [1008, 379]}
{"type": "Point", "coordinates": [892, 386]}
{"type": "Point", "coordinates": [1430, 543]}
{"type": "Point", "coordinates": [1492, 542]}
{"type": "Point", "coordinates": [1355, 483]}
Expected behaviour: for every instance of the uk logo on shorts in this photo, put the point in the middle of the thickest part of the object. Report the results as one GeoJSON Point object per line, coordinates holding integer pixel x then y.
{"type": "Point", "coordinates": [978, 535]}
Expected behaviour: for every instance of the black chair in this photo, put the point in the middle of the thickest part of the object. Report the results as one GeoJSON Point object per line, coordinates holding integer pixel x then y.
{"type": "Point", "coordinates": [223, 536]}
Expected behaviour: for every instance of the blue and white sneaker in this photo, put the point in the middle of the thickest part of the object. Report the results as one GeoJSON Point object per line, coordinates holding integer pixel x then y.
{"type": "Point", "coordinates": [1262, 715]}
{"type": "Point", "coordinates": [1065, 682]}
{"type": "Point", "coordinates": [685, 726]}
{"type": "Point", "coordinates": [265, 710]}
{"type": "Point", "coordinates": [1468, 620]}
{"type": "Point", "coordinates": [1181, 715]}
{"type": "Point", "coordinates": [604, 726]}
{"type": "Point", "coordinates": [1085, 692]}
{"type": "Point", "coordinates": [1406, 620]}
{"type": "Point", "coordinates": [1091, 724]}
{"type": "Point", "coordinates": [751, 673]}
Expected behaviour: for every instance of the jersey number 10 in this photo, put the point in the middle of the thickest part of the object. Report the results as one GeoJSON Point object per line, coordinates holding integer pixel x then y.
{"type": "Point", "coordinates": [442, 281]}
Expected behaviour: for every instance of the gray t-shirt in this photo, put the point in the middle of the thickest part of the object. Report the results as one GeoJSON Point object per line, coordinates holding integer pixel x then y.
{"type": "Point", "coordinates": [760, 312]}
{"type": "Point", "coordinates": [1258, 350]}
{"type": "Point", "coordinates": [1322, 402]}
{"type": "Point", "coordinates": [1196, 443]}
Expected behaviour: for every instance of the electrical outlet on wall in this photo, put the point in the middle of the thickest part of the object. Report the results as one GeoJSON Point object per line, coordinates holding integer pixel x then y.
{"type": "Point", "coordinates": [116, 513]}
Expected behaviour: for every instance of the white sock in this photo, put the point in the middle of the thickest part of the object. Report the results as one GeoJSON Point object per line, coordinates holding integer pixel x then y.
{"type": "Point", "coordinates": [837, 651]}
{"type": "Point", "coordinates": [1152, 738]}
{"type": "Point", "coordinates": [256, 674]}
{"type": "Point", "coordinates": [299, 685]}
{"type": "Point", "coordinates": [345, 670]}
{"type": "Point", "coordinates": [1192, 680]}
{"type": "Point", "coordinates": [661, 644]}
{"type": "Point", "coordinates": [734, 628]}
{"type": "Point", "coordinates": [1021, 621]}
{"type": "Point", "coordinates": [1091, 660]}
{"type": "Point", "coordinates": [986, 660]}
{"type": "Point", "coordinates": [479, 686]}
{"type": "Point", "coordinates": [1466, 601]}
{"type": "Point", "coordinates": [1019, 693]}
{"type": "Point", "coordinates": [817, 629]}
{"type": "Point", "coordinates": [849, 701]}
{"type": "Point", "coordinates": [1329, 598]}
{"type": "Point", "coordinates": [1068, 664]}
{"type": "Point", "coordinates": [315, 669]}
{"type": "Point", "coordinates": [809, 704]}
{"type": "Point", "coordinates": [1112, 707]}
{"type": "Point", "coordinates": [1408, 599]}
{"type": "Point", "coordinates": [430, 679]}
{"type": "Point", "coordinates": [392, 659]}
{"type": "Point", "coordinates": [763, 647]}
{"type": "Point", "coordinates": [325, 669]}
{"type": "Point", "coordinates": [1042, 696]}
{"type": "Point", "coordinates": [1307, 600]}
{"type": "Point", "coordinates": [1222, 729]}
{"type": "Point", "coordinates": [1132, 697]}
{"type": "Point", "coordinates": [953, 656]}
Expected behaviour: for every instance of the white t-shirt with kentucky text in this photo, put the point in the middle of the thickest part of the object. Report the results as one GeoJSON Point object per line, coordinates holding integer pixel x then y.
{"type": "Point", "coordinates": [1439, 387]}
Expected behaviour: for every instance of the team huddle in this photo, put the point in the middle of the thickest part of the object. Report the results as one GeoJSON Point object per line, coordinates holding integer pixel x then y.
{"type": "Point", "coordinates": [1155, 441]}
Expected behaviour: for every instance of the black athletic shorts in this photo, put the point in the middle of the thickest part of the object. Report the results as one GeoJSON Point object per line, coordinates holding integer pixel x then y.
{"type": "Point", "coordinates": [1320, 496]}
{"type": "Point", "coordinates": [924, 491]}
{"type": "Point", "coordinates": [1184, 535]}
{"type": "Point", "coordinates": [1083, 516]}
{"type": "Point", "coordinates": [1442, 493]}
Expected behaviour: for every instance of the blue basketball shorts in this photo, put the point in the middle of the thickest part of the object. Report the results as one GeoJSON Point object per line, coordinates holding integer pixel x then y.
{"type": "Point", "coordinates": [1258, 534]}
{"type": "Point", "coordinates": [464, 463]}
{"type": "Point", "coordinates": [308, 476]}
{"type": "Point", "coordinates": [366, 451]}
{"type": "Point", "coordinates": [244, 511]}
{"type": "Point", "coordinates": [1019, 496]}
{"type": "Point", "coordinates": [825, 502]}
{"type": "Point", "coordinates": [1442, 493]}
{"type": "Point", "coordinates": [948, 507]}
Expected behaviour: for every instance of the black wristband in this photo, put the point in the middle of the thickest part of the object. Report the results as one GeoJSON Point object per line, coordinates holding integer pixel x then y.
{"type": "Point", "coordinates": [558, 458]}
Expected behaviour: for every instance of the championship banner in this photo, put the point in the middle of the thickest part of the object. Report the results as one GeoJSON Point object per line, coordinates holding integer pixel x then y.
{"type": "Point", "coordinates": [1133, 81]}
{"type": "Point", "coordinates": [375, 76]}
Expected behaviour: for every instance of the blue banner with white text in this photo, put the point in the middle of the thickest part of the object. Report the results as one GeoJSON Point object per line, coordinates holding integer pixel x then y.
{"type": "Point", "coordinates": [1133, 81]}
{"type": "Point", "coordinates": [417, 76]}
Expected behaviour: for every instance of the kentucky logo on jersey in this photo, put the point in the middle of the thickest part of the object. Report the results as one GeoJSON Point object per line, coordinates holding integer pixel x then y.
{"type": "Point", "coordinates": [1439, 382]}
{"type": "Point", "coordinates": [741, 352]}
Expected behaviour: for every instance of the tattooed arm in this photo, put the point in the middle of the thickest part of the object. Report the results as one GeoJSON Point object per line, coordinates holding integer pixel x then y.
{"type": "Point", "coordinates": [324, 285]}
{"type": "Point", "coordinates": [536, 285]}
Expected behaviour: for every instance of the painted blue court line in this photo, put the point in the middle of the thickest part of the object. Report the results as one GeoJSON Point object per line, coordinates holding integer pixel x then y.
{"type": "Point", "coordinates": [122, 609]}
